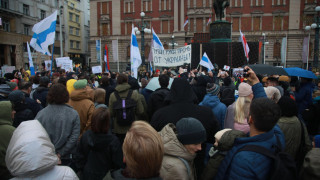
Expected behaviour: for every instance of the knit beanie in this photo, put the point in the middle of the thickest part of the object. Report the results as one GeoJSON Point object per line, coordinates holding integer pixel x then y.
{"type": "Point", "coordinates": [220, 133]}
{"type": "Point", "coordinates": [317, 141]}
{"type": "Point", "coordinates": [213, 89]}
{"type": "Point", "coordinates": [284, 78]}
{"type": "Point", "coordinates": [80, 84]}
{"type": "Point", "coordinates": [70, 84]}
{"type": "Point", "coordinates": [190, 131]}
{"type": "Point", "coordinates": [13, 86]}
{"type": "Point", "coordinates": [16, 96]}
{"type": "Point", "coordinates": [244, 90]}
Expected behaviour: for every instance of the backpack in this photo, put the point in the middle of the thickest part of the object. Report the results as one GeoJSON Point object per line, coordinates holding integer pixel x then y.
{"type": "Point", "coordinates": [124, 109]}
{"type": "Point", "coordinates": [283, 167]}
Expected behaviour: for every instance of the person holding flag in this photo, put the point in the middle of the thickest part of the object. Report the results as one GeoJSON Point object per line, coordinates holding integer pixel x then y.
{"type": "Point", "coordinates": [205, 61]}
{"type": "Point", "coordinates": [245, 46]}
{"type": "Point", "coordinates": [135, 57]}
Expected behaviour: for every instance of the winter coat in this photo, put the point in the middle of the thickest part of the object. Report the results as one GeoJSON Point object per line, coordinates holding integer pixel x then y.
{"type": "Point", "coordinates": [62, 123]}
{"type": "Point", "coordinates": [81, 101]}
{"type": "Point", "coordinates": [248, 164]}
{"type": "Point", "coordinates": [311, 165]}
{"type": "Point", "coordinates": [32, 104]}
{"type": "Point", "coordinates": [41, 94]}
{"type": "Point", "coordinates": [224, 145]}
{"type": "Point", "coordinates": [156, 100]}
{"type": "Point", "coordinates": [97, 154]}
{"type": "Point", "coordinates": [109, 90]}
{"type": "Point", "coordinates": [227, 94]}
{"type": "Point", "coordinates": [96, 106]}
{"type": "Point", "coordinates": [200, 88]}
{"type": "Point", "coordinates": [6, 131]}
{"type": "Point", "coordinates": [123, 90]}
{"type": "Point", "coordinates": [291, 129]}
{"type": "Point", "coordinates": [117, 175]}
{"type": "Point", "coordinates": [218, 108]}
{"type": "Point", "coordinates": [304, 96]}
{"type": "Point", "coordinates": [244, 127]}
{"type": "Point", "coordinates": [172, 167]}
{"type": "Point", "coordinates": [146, 93]}
{"type": "Point", "coordinates": [23, 113]}
{"type": "Point", "coordinates": [31, 155]}
{"type": "Point", "coordinates": [144, 116]}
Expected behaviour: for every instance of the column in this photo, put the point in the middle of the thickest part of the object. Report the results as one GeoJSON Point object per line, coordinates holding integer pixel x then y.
{"type": "Point", "coordinates": [182, 18]}
{"type": "Point", "coordinates": [175, 19]}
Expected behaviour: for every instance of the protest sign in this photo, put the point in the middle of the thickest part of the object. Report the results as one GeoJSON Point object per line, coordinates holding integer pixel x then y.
{"type": "Point", "coordinates": [237, 72]}
{"type": "Point", "coordinates": [7, 69]}
{"type": "Point", "coordinates": [172, 57]}
{"type": "Point", "coordinates": [227, 68]}
{"type": "Point", "coordinates": [47, 65]}
{"type": "Point", "coordinates": [96, 69]}
{"type": "Point", "coordinates": [64, 63]}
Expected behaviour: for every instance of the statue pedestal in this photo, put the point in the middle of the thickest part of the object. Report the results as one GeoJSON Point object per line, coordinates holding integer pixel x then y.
{"type": "Point", "coordinates": [220, 31]}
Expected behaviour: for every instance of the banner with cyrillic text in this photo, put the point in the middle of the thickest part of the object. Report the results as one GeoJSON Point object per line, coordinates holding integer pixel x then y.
{"type": "Point", "coordinates": [172, 57]}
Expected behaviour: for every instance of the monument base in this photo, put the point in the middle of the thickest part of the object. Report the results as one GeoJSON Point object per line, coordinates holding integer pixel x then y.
{"type": "Point", "coordinates": [220, 31]}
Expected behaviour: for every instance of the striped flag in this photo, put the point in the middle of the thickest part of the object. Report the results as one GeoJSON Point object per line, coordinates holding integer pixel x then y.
{"type": "Point", "coordinates": [30, 61]}
{"type": "Point", "coordinates": [245, 46]}
{"type": "Point", "coordinates": [106, 58]}
{"type": "Point", "coordinates": [209, 20]}
{"type": "Point", "coordinates": [205, 61]}
{"type": "Point", "coordinates": [186, 21]}
{"type": "Point", "coordinates": [135, 57]}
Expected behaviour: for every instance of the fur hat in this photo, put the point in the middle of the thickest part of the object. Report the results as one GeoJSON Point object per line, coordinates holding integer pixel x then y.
{"type": "Point", "coordinates": [244, 90]}
{"type": "Point", "coordinates": [190, 131]}
{"type": "Point", "coordinates": [213, 89]}
{"type": "Point", "coordinates": [80, 84]}
{"type": "Point", "coordinates": [220, 133]}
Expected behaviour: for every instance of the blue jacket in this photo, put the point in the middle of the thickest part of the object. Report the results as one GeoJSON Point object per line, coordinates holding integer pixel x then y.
{"type": "Point", "coordinates": [218, 108]}
{"type": "Point", "coordinates": [304, 96]}
{"type": "Point", "coordinates": [258, 91]}
{"type": "Point", "coordinates": [247, 164]}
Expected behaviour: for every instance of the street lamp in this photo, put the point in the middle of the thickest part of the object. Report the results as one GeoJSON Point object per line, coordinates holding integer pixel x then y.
{"type": "Point", "coordinates": [316, 38]}
{"type": "Point", "coordinates": [172, 42]}
{"type": "Point", "coordinates": [264, 42]}
{"type": "Point", "coordinates": [308, 28]}
{"type": "Point", "coordinates": [144, 29]}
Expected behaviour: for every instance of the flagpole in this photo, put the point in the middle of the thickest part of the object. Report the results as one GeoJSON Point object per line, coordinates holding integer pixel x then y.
{"type": "Point", "coordinates": [51, 61]}
{"type": "Point", "coordinates": [118, 55]}
{"type": "Point", "coordinates": [285, 52]}
{"type": "Point", "coordinates": [100, 53]}
{"type": "Point", "coordinates": [200, 56]}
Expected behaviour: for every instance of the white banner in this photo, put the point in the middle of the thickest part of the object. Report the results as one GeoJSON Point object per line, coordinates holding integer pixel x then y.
{"type": "Point", "coordinates": [172, 57]}
{"type": "Point", "coordinates": [7, 69]}
{"type": "Point", "coordinates": [64, 63]}
{"type": "Point", "coordinates": [96, 69]}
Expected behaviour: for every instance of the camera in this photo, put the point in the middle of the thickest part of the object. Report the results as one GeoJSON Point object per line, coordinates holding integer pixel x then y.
{"type": "Point", "coordinates": [245, 73]}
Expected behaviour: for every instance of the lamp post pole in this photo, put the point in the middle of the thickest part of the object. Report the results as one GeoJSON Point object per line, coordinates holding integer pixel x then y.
{"type": "Point", "coordinates": [172, 42]}
{"type": "Point", "coordinates": [263, 49]}
{"type": "Point", "coordinates": [142, 38]}
{"type": "Point", "coordinates": [316, 38]}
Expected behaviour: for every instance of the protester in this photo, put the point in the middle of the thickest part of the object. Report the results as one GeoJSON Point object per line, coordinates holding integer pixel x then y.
{"type": "Point", "coordinates": [31, 155]}
{"type": "Point", "coordinates": [41, 91]}
{"type": "Point", "coordinates": [273, 93]}
{"type": "Point", "coordinates": [134, 86]}
{"type": "Point", "coordinates": [200, 87]}
{"type": "Point", "coordinates": [227, 92]}
{"type": "Point", "coordinates": [99, 98]}
{"type": "Point", "coordinates": [23, 113]}
{"type": "Point", "coordinates": [98, 150]}
{"type": "Point", "coordinates": [32, 104]}
{"type": "Point", "coordinates": [6, 131]}
{"type": "Point", "coordinates": [181, 142]}
{"type": "Point", "coordinates": [61, 122]}
{"type": "Point", "coordinates": [303, 95]}
{"type": "Point", "coordinates": [4, 91]}
{"type": "Point", "coordinates": [211, 100]}
{"type": "Point", "coordinates": [35, 85]}
{"type": "Point", "coordinates": [142, 153]}
{"type": "Point", "coordinates": [272, 81]}
{"type": "Point", "coordinates": [81, 101]}
{"type": "Point", "coordinates": [311, 166]}
{"type": "Point", "coordinates": [105, 84]}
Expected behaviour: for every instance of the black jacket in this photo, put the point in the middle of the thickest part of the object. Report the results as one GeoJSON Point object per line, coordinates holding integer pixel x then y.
{"type": "Point", "coordinates": [32, 104]}
{"type": "Point", "coordinates": [22, 114]}
{"type": "Point", "coordinates": [97, 154]}
{"type": "Point", "coordinates": [227, 95]}
{"type": "Point", "coordinates": [41, 94]}
{"type": "Point", "coordinates": [200, 87]}
{"type": "Point", "coordinates": [156, 100]}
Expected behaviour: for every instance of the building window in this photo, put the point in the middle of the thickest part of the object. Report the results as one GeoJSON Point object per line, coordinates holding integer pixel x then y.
{"type": "Point", "coordinates": [72, 5]}
{"type": "Point", "coordinates": [26, 29]}
{"type": "Point", "coordinates": [42, 14]}
{"type": "Point", "coordinates": [77, 31]}
{"type": "Point", "coordinates": [199, 4]}
{"type": "Point", "coordinates": [26, 9]}
{"type": "Point", "coordinates": [281, 2]}
{"type": "Point", "coordinates": [277, 50]}
{"type": "Point", "coordinates": [277, 23]}
{"type": "Point", "coordinates": [70, 16]}
{"type": "Point", "coordinates": [43, 1]}
{"type": "Point", "coordinates": [105, 8]}
{"type": "Point", "coordinates": [128, 27]}
{"type": "Point", "coordinates": [4, 4]}
{"type": "Point", "coordinates": [199, 24]}
{"type": "Point", "coordinates": [257, 2]}
{"type": "Point", "coordinates": [105, 29]}
{"type": "Point", "coordinates": [128, 7]}
{"type": "Point", "coordinates": [71, 43]}
{"type": "Point", "coordinates": [77, 18]}
{"type": "Point", "coordinates": [235, 24]}
{"type": "Point", "coordinates": [309, 1]}
{"type": "Point", "coordinates": [78, 45]}
{"type": "Point", "coordinates": [165, 26]}
{"type": "Point", "coordinates": [191, 23]}
{"type": "Point", "coordinates": [6, 26]}
{"type": "Point", "coordinates": [235, 3]}
{"type": "Point", "coordinates": [308, 19]}
{"type": "Point", "coordinates": [164, 5]}
{"type": "Point", "coordinates": [147, 5]}
{"type": "Point", "coordinates": [70, 30]}
{"type": "Point", "coordinates": [256, 25]}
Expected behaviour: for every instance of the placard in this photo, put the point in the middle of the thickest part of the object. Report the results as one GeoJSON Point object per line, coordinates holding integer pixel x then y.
{"type": "Point", "coordinates": [47, 65]}
{"type": "Point", "coordinates": [64, 63]}
{"type": "Point", "coordinates": [96, 69]}
{"type": "Point", "coordinates": [172, 57]}
{"type": "Point", "coordinates": [7, 69]}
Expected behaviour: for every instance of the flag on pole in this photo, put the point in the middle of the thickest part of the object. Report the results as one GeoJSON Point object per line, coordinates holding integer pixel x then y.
{"type": "Point", "coordinates": [205, 61]}
{"type": "Point", "coordinates": [30, 61]}
{"type": "Point", "coordinates": [305, 51]}
{"type": "Point", "coordinates": [106, 58]}
{"type": "Point", "coordinates": [151, 70]}
{"type": "Point", "coordinates": [245, 46]}
{"type": "Point", "coordinates": [283, 50]}
{"type": "Point", "coordinates": [209, 20]}
{"type": "Point", "coordinates": [44, 34]}
{"type": "Point", "coordinates": [98, 50]}
{"type": "Point", "coordinates": [135, 57]}
{"type": "Point", "coordinates": [156, 41]}
{"type": "Point", "coordinates": [186, 21]}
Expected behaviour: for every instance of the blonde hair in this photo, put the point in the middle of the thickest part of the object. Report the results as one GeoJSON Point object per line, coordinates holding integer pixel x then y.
{"type": "Point", "coordinates": [242, 108]}
{"type": "Point", "coordinates": [143, 151]}
{"type": "Point", "coordinates": [99, 96]}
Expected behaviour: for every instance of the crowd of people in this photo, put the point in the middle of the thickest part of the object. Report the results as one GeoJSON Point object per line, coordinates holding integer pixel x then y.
{"type": "Point", "coordinates": [170, 125]}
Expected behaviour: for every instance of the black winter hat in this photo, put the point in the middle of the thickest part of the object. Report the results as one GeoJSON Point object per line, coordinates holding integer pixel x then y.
{"type": "Point", "coordinates": [190, 131]}
{"type": "Point", "coordinates": [16, 96]}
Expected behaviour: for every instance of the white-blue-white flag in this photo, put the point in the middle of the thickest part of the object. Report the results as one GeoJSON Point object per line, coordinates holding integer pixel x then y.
{"type": "Point", "coordinates": [44, 34]}
{"type": "Point", "coordinates": [98, 50]}
{"type": "Point", "coordinates": [156, 41]}
{"type": "Point", "coordinates": [30, 60]}
{"type": "Point", "coordinates": [284, 50]}
{"type": "Point", "coordinates": [135, 57]}
{"type": "Point", "coordinates": [205, 61]}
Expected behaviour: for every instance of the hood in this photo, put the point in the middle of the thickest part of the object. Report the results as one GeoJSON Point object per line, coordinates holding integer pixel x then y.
{"type": "Point", "coordinates": [210, 101]}
{"type": "Point", "coordinates": [227, 139]}
{"type": "Point", "coordinates": [172, 146]}
{"type": "Point", "coordinates": [80, 94]}
{"type": "Point", "coordinates": [181, 92]}
{"type": "Point", "coordinates": [99, 141]}
{"type": "Point", "coordinates": [201, 81]}
{"type": "Point", "coordinates": [30, 152]}
{"type": "Point", "coordinates": [122, 87]}
{"type": "Point", "coordinates": [5, 113]}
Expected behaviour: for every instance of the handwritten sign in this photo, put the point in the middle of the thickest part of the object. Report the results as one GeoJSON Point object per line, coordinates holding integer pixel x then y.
{"type": "Point", "coordinates": [96, 69]}
{"type": "Point", "coordinates": [64, 63]}
{"type": "Point", "coordinates": [47, 65]}
{"type": "Point", "coordinates": [172, 57]}
{"type": "Point", "coordinates": [7, 69]}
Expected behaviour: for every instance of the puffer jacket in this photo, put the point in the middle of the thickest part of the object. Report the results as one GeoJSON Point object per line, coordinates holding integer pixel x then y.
{"type": "Point", "coordinates": [41, 94]}
{"type": "Point", "coordinates": [123, 90]}
{"type": "Point", "coordinates": [81, 101]}
{"type": "Point", "coordinates": [311, 165]}
{"type": "Point", "coordinates": [6, 131]}
{"type": "Point", "coordinates": [172, 167]}
{"type": "Point", "coordinates": [224, 145]}
{"type": "Point", "coordinates": [31, 155]}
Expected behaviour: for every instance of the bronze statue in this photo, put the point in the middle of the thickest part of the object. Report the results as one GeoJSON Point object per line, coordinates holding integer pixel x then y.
{"type": "Point", "coordinates": [219, 6]}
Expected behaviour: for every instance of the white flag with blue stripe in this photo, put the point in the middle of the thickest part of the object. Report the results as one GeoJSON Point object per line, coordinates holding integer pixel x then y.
{"type": "Point", "coordinates": [135, 57]}
{"type": "Point", "coordinates": [30, 60]}
{"type": "Point", "coordinates": [205, 61]}
{"type": "Point", "coordinates": [156, 41]}
{"type": "Point", "coordinates": [44, 34]}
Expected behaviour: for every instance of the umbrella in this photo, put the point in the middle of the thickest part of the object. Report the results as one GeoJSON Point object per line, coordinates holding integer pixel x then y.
{"type": "Point", "coordinates": [267, 69]}
{"type": "Point", "coordinates": [295, 71]}
{"type": "Point", "coordinates": [154, 84]}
